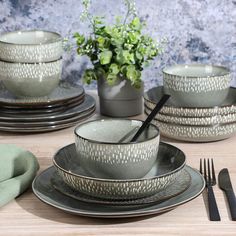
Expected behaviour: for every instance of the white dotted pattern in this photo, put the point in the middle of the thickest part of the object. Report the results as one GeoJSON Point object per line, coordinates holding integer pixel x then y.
{"type": "Point", "coordinates": [195, 132]}
{"type": "Point", "coordinates": [22, 71]}
{"type": "Point", "coordinates": [31, 53]}
{"type": "Point", "coordinates": [216, 119]}
{"type": "Point", "coordinates": [196, 85]}
{"type": "Point", "coordinates": [117, 154]}
{"type": "Point", "coordinates": [119, 189]}
{"type": "Point", "coordinates": [194, 112]}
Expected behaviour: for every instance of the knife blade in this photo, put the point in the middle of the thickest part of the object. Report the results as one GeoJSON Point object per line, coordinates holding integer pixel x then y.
{"type": "Point", "coordinates": [226, 186]}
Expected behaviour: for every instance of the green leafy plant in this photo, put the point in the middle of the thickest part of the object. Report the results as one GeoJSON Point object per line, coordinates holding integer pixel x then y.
{"type": "Point", "coordinates": [116, 51]}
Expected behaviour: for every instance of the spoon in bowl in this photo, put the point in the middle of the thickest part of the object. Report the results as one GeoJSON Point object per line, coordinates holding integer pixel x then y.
{"type": "Point", "coordinates": [147, 121]}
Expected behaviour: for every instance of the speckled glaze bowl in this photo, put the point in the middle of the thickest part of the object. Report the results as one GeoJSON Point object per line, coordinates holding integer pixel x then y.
{"type": "Point", "coordinates": [197, 85]}
{"type": "Point", "coordinates": [164, 172]}
{"type": "Point", "coordinates": [30, 46]}
{"type": "Point", "coordinates": [102, 155]}
{"type": "Point", "coordinates": [227, 107]}
{"type": "Point", "coordinates": [30, 79]}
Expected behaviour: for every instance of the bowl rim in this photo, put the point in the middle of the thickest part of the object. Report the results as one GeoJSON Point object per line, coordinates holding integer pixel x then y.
{"type": "Point", "coordinates": [111, 143]}
{"type": "Point", "coordinates": [90, 178]}
{"type": "Point", "coordinates": [31, 63]}
{"type": "Point", "coordinates": [59, 37]}
{"type": "Point", "coordinates": [227, 70]}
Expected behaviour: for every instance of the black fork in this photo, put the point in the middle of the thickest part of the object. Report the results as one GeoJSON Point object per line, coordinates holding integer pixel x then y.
{"type": "Point", "coordinates": [208, 171]}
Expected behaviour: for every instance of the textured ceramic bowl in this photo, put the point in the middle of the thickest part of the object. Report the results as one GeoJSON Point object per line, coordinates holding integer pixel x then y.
{"type": "Point", "coordinates": [197, 85]}
{"type": "Point", "coordinates": [190, 133]}
{"type": "Point", "coordinates": [196, 121]}
{"type": "Point", "coordinates": [169, 166]}
{"type": "Point", "coordinates": [30, 46]}
{"type": "Point", "coordinates": [30, 79]}
{"type": "Point", "coordinates": [101, 154]}
{"type": "Point", "coordinates": [228, 106]}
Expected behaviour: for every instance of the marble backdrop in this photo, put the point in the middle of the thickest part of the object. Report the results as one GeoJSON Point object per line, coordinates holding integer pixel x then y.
{"type": "Point", "coordinates": [200, 31]}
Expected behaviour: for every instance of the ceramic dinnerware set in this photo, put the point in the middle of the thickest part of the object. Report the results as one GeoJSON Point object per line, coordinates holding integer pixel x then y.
{"type": "Point", "coordinates": [202, 106]}
{"type": "Point", "coordinates": [33, 96]}
{"type": "Point", "coordinates": [99, 176]}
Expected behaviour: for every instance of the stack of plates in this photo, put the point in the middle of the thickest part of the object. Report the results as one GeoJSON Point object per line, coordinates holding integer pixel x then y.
{"type": "Point", "coordinates": [95, 197]}
{"type": "Point", "coordinates": [64, 107]}
{"type": "Point", "coordinates": [194, 124]}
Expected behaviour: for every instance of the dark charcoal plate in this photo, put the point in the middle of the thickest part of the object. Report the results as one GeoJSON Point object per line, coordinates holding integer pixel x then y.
{"type": "Point", "coordinates": [44, 190]}
{"type": "Point", "coordinates": [65, 112]}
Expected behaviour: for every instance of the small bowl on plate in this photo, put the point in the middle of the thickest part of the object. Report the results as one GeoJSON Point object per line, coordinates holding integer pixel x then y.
{"type": "Point", "coordinates": [30, 46]}
{"type": "Point", "coordinates": [102, 155]}
{"type": "Point", "coordinates": [30, 79]}
{"type": "Point", "coordinates": [197, 85]}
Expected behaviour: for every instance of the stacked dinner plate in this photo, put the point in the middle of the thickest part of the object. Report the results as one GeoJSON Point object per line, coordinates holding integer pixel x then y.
{"type": "Point", "coordinates": [195, 124]}
{"type": "Point", "coordinates": [64, 107]}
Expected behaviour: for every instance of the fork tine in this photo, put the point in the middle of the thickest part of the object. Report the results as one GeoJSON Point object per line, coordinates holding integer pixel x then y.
{"type": "Point", "coordinates": [204, 167]}
{"type": "Point", "coordinates": [200, 168]}
{"type": "Point", "coordinates": [208, 169]}
{"type": "Point", "coordinates": [213, 170]}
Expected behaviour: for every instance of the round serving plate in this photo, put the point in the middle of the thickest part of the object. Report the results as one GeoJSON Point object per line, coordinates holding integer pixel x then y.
{"type": "Point", "coordinates": [64, 92]}
{"type": "Point", "coordinates": [44, 190]}
{"type": "Point", "coordinates": [190, 133]}
{"type": "Point", "coordinates": [168, 166]}
{"type": "Point", "coordinates": [195, 121]}
{"type": "Point", "coordinates": [66, 111]}
{"type": "Point", "coordinates": [152, 96]}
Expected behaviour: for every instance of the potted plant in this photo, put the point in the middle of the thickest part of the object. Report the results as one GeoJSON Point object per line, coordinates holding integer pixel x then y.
{"type": "Point", "coordinates": [118, 53]}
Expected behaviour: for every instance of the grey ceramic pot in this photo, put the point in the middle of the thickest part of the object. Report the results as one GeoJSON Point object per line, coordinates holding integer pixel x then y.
{"type": "Point", "coordinates": [120, 99]}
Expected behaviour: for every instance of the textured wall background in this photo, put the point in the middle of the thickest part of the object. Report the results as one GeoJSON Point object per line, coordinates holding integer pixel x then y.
{"type": "Point", "coordinates": [202, 31]}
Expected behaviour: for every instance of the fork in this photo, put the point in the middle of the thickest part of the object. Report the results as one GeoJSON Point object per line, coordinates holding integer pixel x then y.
{"type": "Point", "coordinates": [208, 172]}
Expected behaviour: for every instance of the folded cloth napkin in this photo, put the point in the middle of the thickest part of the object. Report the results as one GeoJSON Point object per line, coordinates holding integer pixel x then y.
{"type": "Point", "coordinates": [18, 168]}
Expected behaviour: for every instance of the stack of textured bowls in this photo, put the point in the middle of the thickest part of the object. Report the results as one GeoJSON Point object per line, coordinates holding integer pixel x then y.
{"type": "Point", "coordinates": [31, 61]}
{"type": "Point", "coordinates": [33, 98]}
{"type": "Point", "coordinates": [202, 107]}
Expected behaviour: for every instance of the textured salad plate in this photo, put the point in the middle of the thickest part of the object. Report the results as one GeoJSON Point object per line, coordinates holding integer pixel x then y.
{"type": "Point", "coordinates": [190, 133]}
{"type": "Point", "coordinates": [44, 190]}
{"type": "Point", "coordinates": [170, 162]}
{"type": "Point", "coordinates": [67, 112]}
{"type": "Point", "coordinates": [152, 96]}
{"type": "Point", "coordinates": [64, 92]}
{"type": "Point", "coordinates": [195, 121]}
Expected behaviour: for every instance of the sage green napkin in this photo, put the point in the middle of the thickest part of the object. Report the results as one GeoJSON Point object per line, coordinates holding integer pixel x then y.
{"type": "Point", "coordinates": [18, 168]}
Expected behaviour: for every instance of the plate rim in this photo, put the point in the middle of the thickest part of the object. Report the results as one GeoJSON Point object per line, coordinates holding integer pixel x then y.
{"type": "Point", "coordinates": [141, 212]}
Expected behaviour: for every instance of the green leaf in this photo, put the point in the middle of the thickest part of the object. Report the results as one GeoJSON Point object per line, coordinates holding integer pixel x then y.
{"type": "Point", "coordinates": [105, 57]}
{"type": "Point", "coordinates": [125, 57]}
{"type": "Point", "coordinates": [114, 69]}
{"type": "Point", "coordinates": [89, 75]}
{"type": "Point", "coordinates": [132, 74]}
{"type": "Point", "coordinates": [136, 24]}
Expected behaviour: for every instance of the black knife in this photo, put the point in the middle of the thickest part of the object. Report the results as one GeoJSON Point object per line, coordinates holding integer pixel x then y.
{"type": "Point", "coordinates": [226, 186]}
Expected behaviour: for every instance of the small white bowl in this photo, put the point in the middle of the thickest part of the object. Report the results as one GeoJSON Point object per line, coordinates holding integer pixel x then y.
{"type": "Point", "coordinates": [30, 46]}
{"type": "Point", "coordinates": [102, 156]}
{"type": "Point", "coordinates": [30, 79]}
{"type": "Point", "coordinates": [197, 85]}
